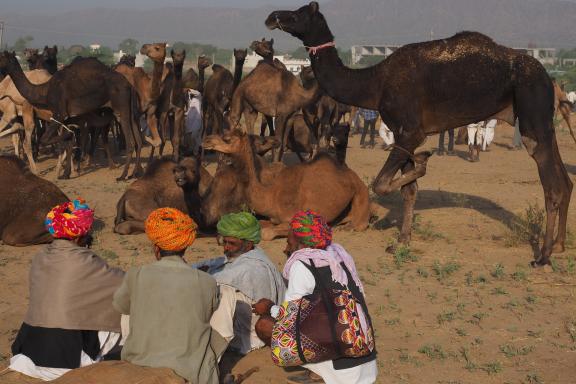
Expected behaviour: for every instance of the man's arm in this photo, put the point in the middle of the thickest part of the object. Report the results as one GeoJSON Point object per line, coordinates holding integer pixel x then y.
{"type": "Point", "coordinates": [121, 300]}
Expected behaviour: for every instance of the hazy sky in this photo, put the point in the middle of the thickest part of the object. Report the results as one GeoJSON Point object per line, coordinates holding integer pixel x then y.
{"type": "Point", "coordinates": [52, 6]}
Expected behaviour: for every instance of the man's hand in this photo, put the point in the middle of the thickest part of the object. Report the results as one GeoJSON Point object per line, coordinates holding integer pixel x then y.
{"type": "Point", "coordinates": [262, 307]}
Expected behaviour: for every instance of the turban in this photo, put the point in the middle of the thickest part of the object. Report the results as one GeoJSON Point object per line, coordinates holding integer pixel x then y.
{"type": "Point", "coordinates": [311, 229]}
{"type": "Point", "coordinates": [242, 225]}
{"type": "Point", "coordinates": [69, 220]}
{"type": "Point", "coordinates": [170, 229]}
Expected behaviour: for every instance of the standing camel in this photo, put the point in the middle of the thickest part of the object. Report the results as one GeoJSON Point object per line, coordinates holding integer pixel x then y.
{"type": "Point", "coordinates": [405, 89]}
{"type": "Point", "coordinates": [562, 104]}
{"type": "Point", "coordinates": [216, 97]}
{"type": "Point", "coordinates": [272, 91]}
{"type": "Point", "coordinates": [81, 87]}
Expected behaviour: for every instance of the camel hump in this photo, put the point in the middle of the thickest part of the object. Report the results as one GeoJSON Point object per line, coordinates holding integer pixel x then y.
{"type": "Point", "coordinates": [473, 35]}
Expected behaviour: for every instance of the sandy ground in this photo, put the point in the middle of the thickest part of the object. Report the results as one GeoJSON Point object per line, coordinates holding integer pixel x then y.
{"type": "Point", "coordinates": [449, 314]}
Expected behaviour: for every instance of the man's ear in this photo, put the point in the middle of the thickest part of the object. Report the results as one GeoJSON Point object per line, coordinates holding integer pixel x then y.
{"type": "Point", "coordinates": [157, 252]}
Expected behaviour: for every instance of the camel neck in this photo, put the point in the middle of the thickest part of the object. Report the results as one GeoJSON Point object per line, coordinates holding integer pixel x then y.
{"type": "Point", "coordinates": [35, 94]}
{"type": "Point", "coordinates": [177, 88]}
{"type": "Point", "coordinates": [201, 79]}
{"type": "Point", "coordinates": [156, 79]}
{"type": "Point", "coordinates": [349, 86]}
{"type": "Point", "coordinates": [238, 65]}
{"type": "Point", "coordinates": [256, 190]}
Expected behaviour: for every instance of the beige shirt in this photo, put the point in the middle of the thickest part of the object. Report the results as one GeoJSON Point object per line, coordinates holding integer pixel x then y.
{"type": "Point", "coordinates": [170, 305]}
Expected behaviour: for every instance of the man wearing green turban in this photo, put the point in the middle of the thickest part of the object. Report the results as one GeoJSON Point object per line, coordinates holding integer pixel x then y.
{"type": "Point", "coordinates": [244, 274]}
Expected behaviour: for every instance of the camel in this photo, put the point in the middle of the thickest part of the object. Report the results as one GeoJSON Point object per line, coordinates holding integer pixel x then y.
{"type": "Point", "coordinates": [239, 59]}
{"type": "Point", "coordinates": [562, 104]}
{"type": "Point", "coordinates": [321, 185]}
{"type": "Point", "coordinates": [506, 84]}
{"type": "Point", "coordinates": [25, 201]}
{"type": "Point", "coordinates": [193, 80]}
{"type": "Point", "coordinates": [127, 59]}
{"type": "Point", "coordinates": [48, 60]}
{"type": "Point", "coordinates": [12, 105]}
{"type": "Point", "coordinates": [273, 92]}
{"type": "Point", "coordinates": [81, 87]}
{"type": "Point", "coordinates": [216, 98]}
{"type": "Point", "coordinates": [300, 138]}
{"type": "Point", "coordinates": [165, 184]}
{"type": "Point", "coordinates": [228, 191]}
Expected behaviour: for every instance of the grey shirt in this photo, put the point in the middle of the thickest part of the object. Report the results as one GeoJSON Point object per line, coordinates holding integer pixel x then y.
{"type": "Point", "coordinates": [170, 305]}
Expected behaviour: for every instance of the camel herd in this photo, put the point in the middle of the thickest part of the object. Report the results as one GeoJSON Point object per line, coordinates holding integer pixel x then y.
{"type": "Point", "coordinates": [86, 101]}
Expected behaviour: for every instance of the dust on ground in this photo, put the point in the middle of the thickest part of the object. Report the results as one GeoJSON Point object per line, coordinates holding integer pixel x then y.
{"type": "Point", "coordinates": [462, 305]}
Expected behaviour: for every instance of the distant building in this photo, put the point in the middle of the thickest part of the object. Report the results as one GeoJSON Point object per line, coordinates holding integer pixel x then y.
{"type": "Point", "coordinates": [94, 47]}
{"type": "Point", "coordinates": [292, 64]}
{"type": "Point", "coordinates": [140, 58]}
{"type": "Point", "coordinates": [543, 55]}
{"type": "Point", "coordinates": [360, 51]}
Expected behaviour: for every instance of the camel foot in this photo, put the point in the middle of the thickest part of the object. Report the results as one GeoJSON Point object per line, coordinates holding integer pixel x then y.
{"type": "Point", "coordinates": [121, 178]}
{"type": "Point", "coordinates": [64, 177]}
{"type": "Point", "coordinates": [113, 166]}
{"type": "Point", "coordinates": [558, 248]}
{"type": "Point", "coordinates": [155, 143]}
{"type": "Point", "coordinates": [391, 249]}
{"type": "Point", "coordinates": [543, 261]}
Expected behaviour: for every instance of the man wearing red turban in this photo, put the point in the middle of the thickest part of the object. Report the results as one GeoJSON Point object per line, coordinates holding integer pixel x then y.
{"type": "Point", "coordinates": [70, 320]}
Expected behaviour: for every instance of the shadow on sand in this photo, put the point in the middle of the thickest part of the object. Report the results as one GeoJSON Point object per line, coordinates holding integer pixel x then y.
{"type": "Point", "coordinates": [429, 199]}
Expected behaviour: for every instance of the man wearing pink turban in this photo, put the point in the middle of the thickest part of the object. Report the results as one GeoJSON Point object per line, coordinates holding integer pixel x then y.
{"type": "Point", "coordinates": [70, 320]}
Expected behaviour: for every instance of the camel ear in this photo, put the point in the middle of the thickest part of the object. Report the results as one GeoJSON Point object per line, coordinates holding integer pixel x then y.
{"type": "Point", "coordinates": [314, 7]}
{"type": "Point", "coordinates": [171, 52]}
{"type": "Point", "coordinates": [55, 48]}
{"type": "Point", "coordinates": [271, 41]}
{"type": "Point", "coordinates": [184, 52]}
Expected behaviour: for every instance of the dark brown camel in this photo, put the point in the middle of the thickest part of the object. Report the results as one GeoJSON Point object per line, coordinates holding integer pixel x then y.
{"type": "Point", "coordinates": [25, 201]}
{"type": "Point", "coordinates": [193, 80]}
{"type": "Point", "coordinates": [50, 55]}
{"type": "Point", "coordinates": [239, 59]}
{"type": "Point", "coordinates": [127, 59]}
{"type": "Point", "coordinates": [82, 87]}
{"type": "Point", "coordinates": [273, 92]}
{"type": "Point", "coordinates": [405, 89]}
{"type": "Point", "coordinates": [165, 184]}
{"type": "Point", "coordinates": [216, 98]}
{"type": "Point", "coordinates": [321, 185]}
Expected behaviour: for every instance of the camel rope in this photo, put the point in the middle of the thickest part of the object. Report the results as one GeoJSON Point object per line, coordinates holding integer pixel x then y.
{"type": "Point", "coordinates": [62, 125]}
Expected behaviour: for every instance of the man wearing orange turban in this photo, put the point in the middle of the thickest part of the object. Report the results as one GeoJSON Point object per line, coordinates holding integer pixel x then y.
{"type": "Point", "coordinates": [170, 305]}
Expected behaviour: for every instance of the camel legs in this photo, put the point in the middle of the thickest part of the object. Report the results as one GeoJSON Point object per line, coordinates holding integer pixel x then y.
{"type": "Point", "coordinates": [412, 169]}
{"type": "Point", "coordinates": [178, 131]}
{"type": "Point", "coordinates": [250, 116]}
{"type": "Point", "coordinates": [282, 135]}
{"type": "Point", "coordinates": [271, 231]}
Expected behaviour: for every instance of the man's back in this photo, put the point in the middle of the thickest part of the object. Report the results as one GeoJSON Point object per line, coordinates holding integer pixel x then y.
{"type": "Point", "coordinates": [170, 305]}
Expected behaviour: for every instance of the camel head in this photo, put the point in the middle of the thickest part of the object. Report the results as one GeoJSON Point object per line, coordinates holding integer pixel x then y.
{"type": "Point", "coordinates": [178, 57]}
{"type": "Point", "coordinates": [203, 62]}
{"type": "Point", "coordinates": [305, 23]}
{"type": "Point", "coordinates": [155, 51]}
{"type": "Point", "coordinates": [127, 59]}
{"type": "Point", "coordinates": [30, 52]}
{"type": "Point", "coordinates": [306, 74]}
{"type": "Point", "coordinates": [263, 48]}
{"type": "Point", "coordinates": [8, 59]}
{"type": "Point", "coordinates": [186, 172]}
{"type": "Point", "coordinates": [230, 142]}
{"type": "Point", "coordinates": [240, 54]}
{"type": "Point", "coordinates": [264, 144]}
{"type": "Point", "coordinates": [50, 52]}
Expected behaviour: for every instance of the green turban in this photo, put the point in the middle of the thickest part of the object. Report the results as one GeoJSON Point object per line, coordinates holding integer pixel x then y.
{"type": "Point", "coordinates": [242, 225]}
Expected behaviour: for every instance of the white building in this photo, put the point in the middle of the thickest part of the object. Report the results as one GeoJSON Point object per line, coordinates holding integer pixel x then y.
{"type": "Point", "coordinates": [292, 64]}
{"type": "Point", "coordinates": [139, 57]}
{"type": "Point", "coordinates": [359, 51]}
{"type": "Point", "coordinates": [543, 55]}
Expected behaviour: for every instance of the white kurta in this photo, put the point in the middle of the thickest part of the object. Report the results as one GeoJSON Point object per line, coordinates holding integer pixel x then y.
{"type": "Point", "coordinates": [301, 283]}
{"type": "Point", "coordinates": [489, 133]}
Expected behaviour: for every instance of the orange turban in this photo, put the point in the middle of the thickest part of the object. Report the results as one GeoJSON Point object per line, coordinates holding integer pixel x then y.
{"type": "Point", "coordinates": [170, 229]}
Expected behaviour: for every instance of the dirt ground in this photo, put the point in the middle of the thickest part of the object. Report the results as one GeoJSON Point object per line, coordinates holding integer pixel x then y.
{"type": "Point", "coordinates": [460, 306]}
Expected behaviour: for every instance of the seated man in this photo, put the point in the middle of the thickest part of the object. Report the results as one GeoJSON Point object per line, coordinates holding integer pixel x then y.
{"type": "Point", "coordinates": [310, 239]}
{"type": "Point", "coordinates": [170, 305]}
{"type": "Point", "coordinates": [244, 275]}
{"type": "Point", "coordinates": [70, 320]}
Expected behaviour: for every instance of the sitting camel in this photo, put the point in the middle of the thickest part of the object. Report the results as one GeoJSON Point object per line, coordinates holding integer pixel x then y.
{"type": "Point", "coordinates": [25, 199]}
{"type": "Point", "coordinates": [165, 184]}
{"type": "Point", "coordinates": [322, 185]}
{"type": "Point", "coordinates": [228, 191]}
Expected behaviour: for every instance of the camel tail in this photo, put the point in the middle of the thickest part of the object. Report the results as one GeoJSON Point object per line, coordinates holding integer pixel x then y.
{"type": "Point", "coordinates": [120, 210]}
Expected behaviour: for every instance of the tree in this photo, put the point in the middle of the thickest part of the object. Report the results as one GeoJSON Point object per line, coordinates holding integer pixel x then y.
{"type": "Point", "coordinates": [300, 53]}
{"type": "Point", "coordinates": [22, 43]}
{"type": "Point", "coordinates": [129, 46]}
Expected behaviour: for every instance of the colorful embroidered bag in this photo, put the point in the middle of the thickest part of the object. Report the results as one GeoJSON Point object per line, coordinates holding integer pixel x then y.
{"type": "Point", "coordinates": [326, 325]}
